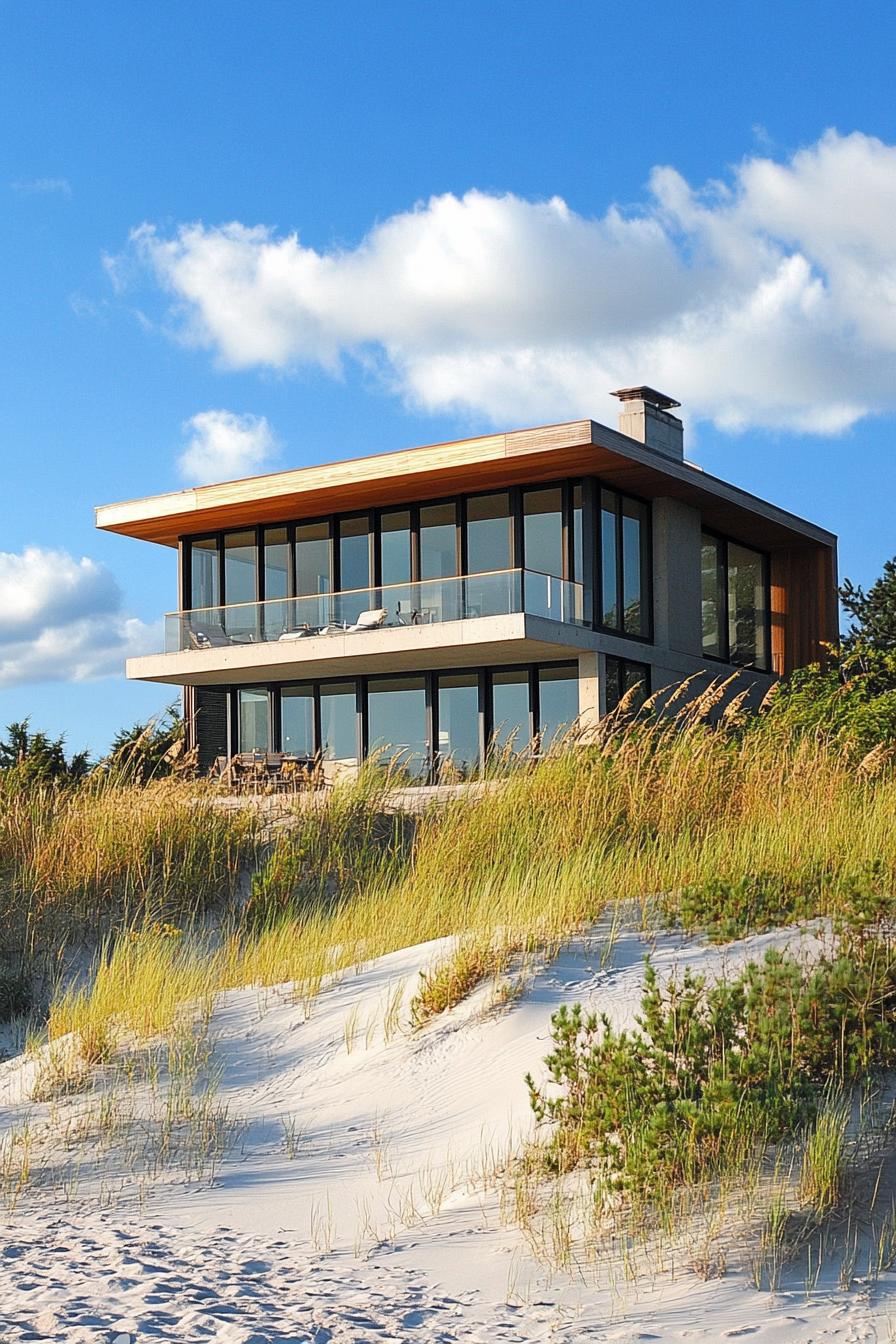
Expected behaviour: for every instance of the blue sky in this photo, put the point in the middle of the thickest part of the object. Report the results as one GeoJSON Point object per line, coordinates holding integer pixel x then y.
{"type": "Point", "coordinates": [350, 227]}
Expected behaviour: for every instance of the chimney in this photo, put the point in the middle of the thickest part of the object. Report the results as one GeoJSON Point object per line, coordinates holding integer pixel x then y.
{"type": "Point", "coordinates": [644, 415]}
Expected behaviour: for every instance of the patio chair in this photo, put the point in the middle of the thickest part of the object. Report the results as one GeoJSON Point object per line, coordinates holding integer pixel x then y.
{"type": "Point", "coordinates": [370, 620]}
{"type": "Point", "coordinates": [303, 632]}
{"type": "Point", "coordinates": [215, 637]}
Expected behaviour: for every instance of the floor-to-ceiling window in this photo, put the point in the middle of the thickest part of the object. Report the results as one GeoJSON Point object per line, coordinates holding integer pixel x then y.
{"type": "Point", "coordinates": [624, 552]}
{"type": "Point", "coordinates": [241, 582]}
{"type": "Point", "coordinates": [511, 722]}
{"type": "Point", "coordinates": [314, 572]}
{"type": "Point", "coordinates": [297, 720]}
{"type": "Point", "coordinates": [438, 560]}
{"type": "Point", "coordinates": [747, 607]}
{"type": "Point", "coordinates": [426, 722]}
{"type": "Point", "coordinates": [395, 539]}
{"type": "Point", "coordinates": [558, 701]}
{"type": "Point", "coordinates": [396, 722]}
{"type": "Point", "coordinates": [205, 573]}
{"type": "Point", "coordinates": [253, 723]}
{"type": "Point", "coordinates": [276, 581]}
{"type": "Point", "coordinates": [539, 529]}
{"type": "Point", "coordinates": [544, 545]}
{"type": "Point", "coordinates": [734, 602]}
{"type": "Point", "coordinates": [609, 566]}
{"type": "Point", "coordinates": [625, 680]}
{"type": "Point", "coordinates": [457, 714]}
{"type": "Point", "coordinates": [489, 533]}
{"type": "Point", "coordinates": [712, 595]}
{"type": "Point", "coordinates": [339, 722]}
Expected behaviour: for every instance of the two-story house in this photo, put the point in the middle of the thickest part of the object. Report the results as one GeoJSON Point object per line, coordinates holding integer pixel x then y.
{"type": "Point", "coordinates": [442, 599]}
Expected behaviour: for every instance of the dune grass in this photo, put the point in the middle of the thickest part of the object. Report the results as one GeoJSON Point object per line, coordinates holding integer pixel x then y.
{"type": "Point", "coordinates": [109, 855]}
{"type": "Point", "coordinates": [726, 826]}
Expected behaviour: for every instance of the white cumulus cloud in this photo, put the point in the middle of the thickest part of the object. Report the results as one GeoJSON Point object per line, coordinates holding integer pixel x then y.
{"type": "Point", "coordinates": [766, 299]}
{"type": "Point", "coordinates": [223, 446]}
{"type": "Point", "coordinates": [61, 619]}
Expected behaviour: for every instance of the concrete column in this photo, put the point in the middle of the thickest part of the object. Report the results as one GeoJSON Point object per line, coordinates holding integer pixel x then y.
{"type": "Point", "coordinates": [589, 691]}
{"type": "Point", "coordinates": [676, 577]}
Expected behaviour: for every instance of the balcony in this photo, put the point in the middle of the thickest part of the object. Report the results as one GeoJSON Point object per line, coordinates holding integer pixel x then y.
{"type": "Point", "coordinates": [510, 616]}
{"type": "Point", "coordinates": [430, 602]}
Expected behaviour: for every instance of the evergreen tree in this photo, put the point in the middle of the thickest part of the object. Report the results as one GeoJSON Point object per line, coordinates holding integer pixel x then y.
{"type": "Point", "coordinates": [873, 613]}
{"type": "Point", "coordinates": [37, 757]}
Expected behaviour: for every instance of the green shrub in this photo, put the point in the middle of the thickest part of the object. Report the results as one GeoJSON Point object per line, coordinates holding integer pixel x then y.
{"type": "Point", "coordinates": [726, 909]}
{"type": "Point", "coordinates": [712, 1071]}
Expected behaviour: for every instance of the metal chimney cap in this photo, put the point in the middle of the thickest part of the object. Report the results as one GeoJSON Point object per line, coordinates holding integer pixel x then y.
{"type": "Point", "coordinates": [648, 394]}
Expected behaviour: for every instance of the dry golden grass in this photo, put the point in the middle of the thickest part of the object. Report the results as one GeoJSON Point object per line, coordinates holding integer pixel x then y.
{"type": "Point", "coordinates": [637, 810]}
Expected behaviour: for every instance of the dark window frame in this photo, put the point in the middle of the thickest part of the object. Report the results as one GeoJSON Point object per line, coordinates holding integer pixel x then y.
{"type": "Point", "coordinates": [647, 564]}
{"type": "Point", "coordinates": [622, 664]}
{"type": "Point", "coordinates": [591, 546]}
{"type": "Point", "coordinates": [724, 630]}
{"type": "Point", "coordinates": [430, 677]}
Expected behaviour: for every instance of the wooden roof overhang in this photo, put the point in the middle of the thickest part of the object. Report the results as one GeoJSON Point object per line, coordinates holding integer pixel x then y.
{"type": "Point", "coordinates": [578, 448]}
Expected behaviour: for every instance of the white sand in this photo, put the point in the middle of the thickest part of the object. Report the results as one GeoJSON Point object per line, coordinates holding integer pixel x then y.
{"type": "Point", "coordinates": [366, 1214]}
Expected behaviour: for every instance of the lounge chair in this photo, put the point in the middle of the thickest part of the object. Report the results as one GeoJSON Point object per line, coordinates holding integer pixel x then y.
{"type": "Point", "coordinates": [303, 632]}
{"type": "Point", "coordinates": [370, 620]}
{"type": "Point", "coordinates": [208, 637]}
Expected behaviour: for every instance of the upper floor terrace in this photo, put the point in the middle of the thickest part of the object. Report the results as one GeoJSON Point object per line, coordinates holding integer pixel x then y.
{"type": "Point", "coordinates": [528, 544]}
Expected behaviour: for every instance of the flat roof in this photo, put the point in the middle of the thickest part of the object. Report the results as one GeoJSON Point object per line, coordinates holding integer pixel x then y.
{"type": "Point", "coordinates": [524, 456]}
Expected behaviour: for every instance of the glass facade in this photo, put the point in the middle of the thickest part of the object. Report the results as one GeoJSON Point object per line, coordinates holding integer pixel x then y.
{"type": "Point", "coordinates": [489, 533]}
{"type": "Point", "coordinates": [339, 722]}
{"type": "Point", "coordinates": [625, 563]}
{"type": "Point", "coordinates": [297, 720]}
{"type": "Point", "coordinates": [432, 723]}
{"type": "Point", "coordinates": [253, 718]}
{"type": "Point", "coordinates": [438, 541]}
{"type": "Point", "coordinates": [545, 532]}
{"type": "Point", "coordinates": [558, 701]}
{"type": "Point", "coordinates": [734, 602]}
{"type": "Point", "coordinates": [457, 710]}
{"type": "Point", "coordinates": [314, 566]}
{"type": "Point", "coordinates": [354, 553]}
{"type": "Point", "coordinates": [396, 722]}
{"type": "Point", "coordinates": [395, 547]}
{"type": "Point", "coordinates": [510, 721]}
{"type": "Point", "coordinates": [205, 573]}
{"type": "Point", "coordinates": [624, 678]}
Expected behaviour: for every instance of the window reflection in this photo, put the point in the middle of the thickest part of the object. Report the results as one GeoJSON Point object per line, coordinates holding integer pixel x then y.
{"type": "Point", "coordinates": [489, 534]}
{"type": "Point", "coordinates": [625, 678]}
{"type": "Point", "coordinates": [276, 563]}
{"type": "Point", "coordinates": [395, 547]}
{"type": "Point", "coordinates": [511, 728]}
{"type": "Point", "coordinates": [746, 607]}
{"type": "Point", "coordinates": [205, 587]}
{"type": "Point", "coordinates": [297, 720]}
{"type": "Point", "coordinates": [253, 719]}
{"type": "Point", "coordinates": [543, 531]}
{"type": "Point", "coordinates": [396, 722]}
{"type": "Point", "coordinates": [438, 541]}
{"type": "Point", "coordinates": [712, 596]}
{"type": "Point", "coordinates": [339, 722]}
{"type": "Point", "coordinates": [458, 716]}
{"type": "Point", "coordinates": [313, 564]}
{"type": "Point", "coordinates": [354, 553]}
{"type": "Point", "coordinates": [558, 701]}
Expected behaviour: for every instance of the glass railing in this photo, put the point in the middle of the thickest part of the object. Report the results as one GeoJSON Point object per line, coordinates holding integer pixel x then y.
{"type": "Point", "coordinates": [429, 602]}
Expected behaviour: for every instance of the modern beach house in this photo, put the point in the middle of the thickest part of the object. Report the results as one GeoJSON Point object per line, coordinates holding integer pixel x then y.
{"type": "Point", "coordinates": [443, 601]}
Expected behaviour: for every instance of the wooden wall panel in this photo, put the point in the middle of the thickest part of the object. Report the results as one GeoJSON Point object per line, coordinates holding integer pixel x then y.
{"type": "Point", "coordinates": [804, 614]}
